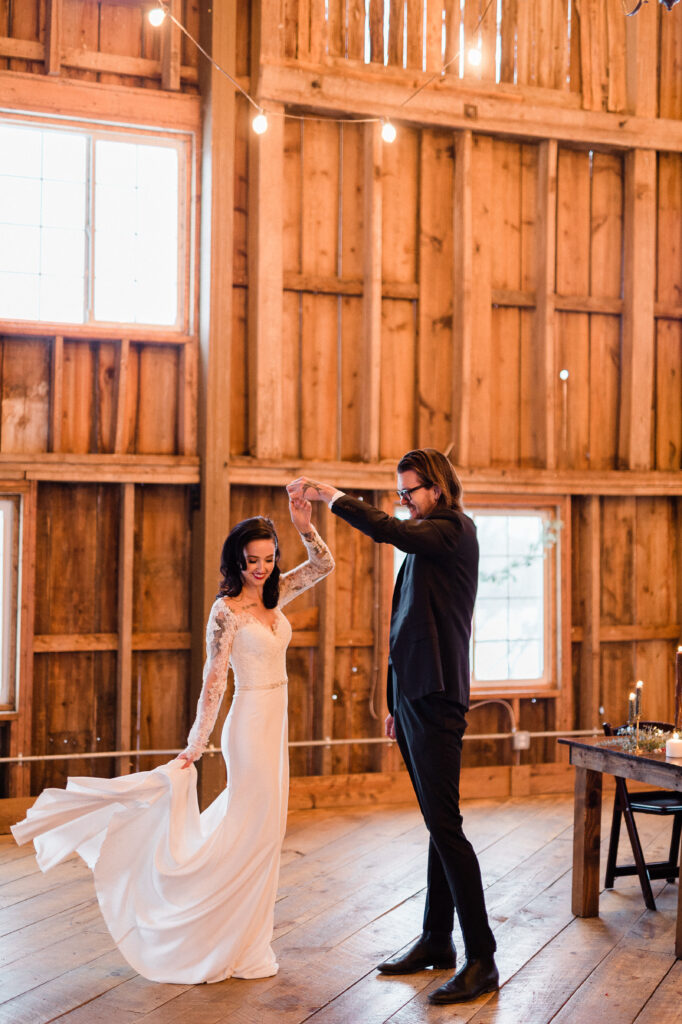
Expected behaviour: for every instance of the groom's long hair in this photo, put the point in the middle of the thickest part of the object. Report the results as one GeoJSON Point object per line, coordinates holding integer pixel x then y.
{"type": "Point", "coordinates": [232, 559]}
{"type": "Point", "coordinates": [435, 470]}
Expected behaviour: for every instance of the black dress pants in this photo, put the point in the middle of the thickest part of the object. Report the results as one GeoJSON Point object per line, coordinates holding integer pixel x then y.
{"type": "Point", "coordinates": [429, 733]}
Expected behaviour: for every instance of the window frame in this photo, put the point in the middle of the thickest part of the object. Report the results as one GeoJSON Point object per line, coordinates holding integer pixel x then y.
{"type": "Point", "coordinates": [20, 669]}
{"type": "Point", "coordinates": [184, 141]}
{"type": "Point", "coordinates": [556, 596]}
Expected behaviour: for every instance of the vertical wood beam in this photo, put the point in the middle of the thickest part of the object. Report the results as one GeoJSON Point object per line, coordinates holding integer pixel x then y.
{"type": "Point", "coordinates": [57, 389]}
{"type": "Point", "coordinates": [21, 730]}
{"type": "Point", "coordinates": [325, 708]}
{"type": "Point", "coordinates": [187, 400]}
{"type": "Point", "coordinates": [384, 584]}
{"type": "Point", "coordinates": [266, 287]}
{"type": "Point", "coordinates": [641, 60]}
{"type": "Point", "coordinates": [121, 431]}
{"type": "Point", "coordinates": [53, 37]}
{"type": "Point", "coordinates": [545, 259]}
{"type": "Point", "coordinates": [171, 50]}
{"type": "Point", "coordinates": [639, 283]}
{"type": "Point", "coordinates": [462, 322]}
{"type": "Point", "coordinates": [215, 338]}
{"type": "Point", "coordinates": [124, 658]}
{"type": "Point", "coordinates": [371, 401]}
{"type": "Point", "coordinates": [591, 653]}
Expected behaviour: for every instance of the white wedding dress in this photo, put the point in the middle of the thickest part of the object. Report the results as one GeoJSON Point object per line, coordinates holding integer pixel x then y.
{"type": "Point", "coordinates": [190, 897]}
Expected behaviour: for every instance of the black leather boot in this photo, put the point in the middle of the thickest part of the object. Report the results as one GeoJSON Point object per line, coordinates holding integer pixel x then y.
{"type": "Point", "coordinates": [428, 951]}
{"type": "Point", "coordinates": [476, 977]}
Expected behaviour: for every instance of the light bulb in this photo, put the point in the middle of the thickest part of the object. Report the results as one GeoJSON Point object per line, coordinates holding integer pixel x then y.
{"type": "Point", "coordinates": [563, 374]}
{"type": "Point", "coordinates": [474, 56]}
{"type": "Point", "coordinates": [157, 16]}
{"type": "Point", "coordinates": [260, 123]}
{"type": "Point", "coordinates": [388, 132]}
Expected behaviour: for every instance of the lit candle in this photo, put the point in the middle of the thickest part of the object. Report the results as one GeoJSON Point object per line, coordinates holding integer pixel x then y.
{"type": "Point", "coordinates": [678, 689]}
{"type": "Point", "coordinates": [673, 747]}
{"type": "Point", "coordinates": [638, 701]}
{"type": "Point", "coordinates": [631, 708]}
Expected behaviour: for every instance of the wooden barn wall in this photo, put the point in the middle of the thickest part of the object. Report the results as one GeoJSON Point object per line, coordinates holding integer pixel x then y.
{"type": "Point", "coordinates": [383, 297]}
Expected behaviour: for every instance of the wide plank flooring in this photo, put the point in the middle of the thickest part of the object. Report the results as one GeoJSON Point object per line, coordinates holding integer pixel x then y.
{"type": "Point", "coordinates": [351, 893]}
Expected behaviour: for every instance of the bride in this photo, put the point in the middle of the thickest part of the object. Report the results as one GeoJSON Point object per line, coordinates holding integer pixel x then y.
{"type": "Point", "coordinates": [190, 897]}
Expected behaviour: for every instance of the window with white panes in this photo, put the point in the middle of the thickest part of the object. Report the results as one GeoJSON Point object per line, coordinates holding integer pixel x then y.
{"type": "Point", "coordinates": [92, 226]}
{"type": "Point", "coordinates": [515, 616]}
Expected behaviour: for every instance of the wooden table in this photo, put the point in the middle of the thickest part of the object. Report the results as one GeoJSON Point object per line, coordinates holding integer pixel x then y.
{"type": "Point", "coordinates": [591, 762]}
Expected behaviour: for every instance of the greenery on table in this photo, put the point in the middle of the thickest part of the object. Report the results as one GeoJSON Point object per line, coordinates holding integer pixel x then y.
{"type": "Point", "coordinates": [651, 740]}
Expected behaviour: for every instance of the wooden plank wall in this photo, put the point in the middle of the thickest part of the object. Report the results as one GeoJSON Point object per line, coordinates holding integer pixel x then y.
{"type": "Point", "coordinates": [427, 293]}
{"type": "Point", "coordinates": [104, 425]}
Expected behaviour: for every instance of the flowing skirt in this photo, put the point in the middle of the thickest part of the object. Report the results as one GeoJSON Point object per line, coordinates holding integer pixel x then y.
{"type": "Point", "coordinates": [187, 897]}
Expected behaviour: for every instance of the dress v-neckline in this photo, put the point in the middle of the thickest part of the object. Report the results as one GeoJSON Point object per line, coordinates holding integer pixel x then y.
{"type": "Point", "coordinates": [271, 627]}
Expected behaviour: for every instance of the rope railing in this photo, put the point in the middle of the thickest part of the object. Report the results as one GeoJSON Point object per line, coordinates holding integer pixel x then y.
{"type": "Point", "coordinates": [327, 742]}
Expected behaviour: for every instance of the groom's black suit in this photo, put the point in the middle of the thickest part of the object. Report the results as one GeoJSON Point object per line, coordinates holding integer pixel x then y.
{"type": "Point", "coordinates": [428, 695]}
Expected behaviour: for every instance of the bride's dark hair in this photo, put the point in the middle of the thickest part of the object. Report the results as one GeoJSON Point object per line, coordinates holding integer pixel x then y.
{"type": "Point", "coordinates": [233, 560]}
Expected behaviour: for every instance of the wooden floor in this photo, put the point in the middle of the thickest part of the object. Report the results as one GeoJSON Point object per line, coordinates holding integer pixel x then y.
{"type": "Point", "coordinates": [351, 893]}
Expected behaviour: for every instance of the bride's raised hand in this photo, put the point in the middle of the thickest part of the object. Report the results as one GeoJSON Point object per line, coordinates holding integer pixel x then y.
{"type": "Point", "coordinates": [299, 510]}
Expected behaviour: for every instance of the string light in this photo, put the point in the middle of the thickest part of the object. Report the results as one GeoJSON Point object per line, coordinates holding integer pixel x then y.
{"type": "Point", "coordinates": [260, 123]}
{"type": "Point", "coordinates": [157, 16]}
{"type": "Point", "coordinates": [388, 132]}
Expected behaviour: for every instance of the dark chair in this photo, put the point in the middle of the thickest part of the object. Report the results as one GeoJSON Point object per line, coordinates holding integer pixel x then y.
{"type": "Point", "coordinates": [626, 805]}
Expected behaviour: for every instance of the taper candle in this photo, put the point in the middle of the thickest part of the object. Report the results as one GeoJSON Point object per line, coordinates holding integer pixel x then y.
{"type": "Point", "coordinates": [638, 699]}
{"type": "Point", "coordinates": [631, 708]}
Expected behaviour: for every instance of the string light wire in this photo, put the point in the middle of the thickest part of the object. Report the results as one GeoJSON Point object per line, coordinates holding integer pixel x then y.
{"type": "Point", "coordinates": [388, 129]}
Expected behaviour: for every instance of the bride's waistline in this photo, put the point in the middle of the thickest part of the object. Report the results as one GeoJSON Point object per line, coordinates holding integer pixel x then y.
{"type": "Point", "coordinates": [239, 688]}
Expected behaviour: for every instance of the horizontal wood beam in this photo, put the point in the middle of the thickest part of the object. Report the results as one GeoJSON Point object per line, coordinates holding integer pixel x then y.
{"type": "Point", "coordinates": [511, 112]}
{"type": "Point", "coordinates": [89, 60]}
{"type": "Point", "coordinates": [62, 643]}
{"type": "Point", "coordinates": [150, 469]}
{"type": "Point", "coordinates": [97, 101]}
{"type": "Point", "coordinates": [381, 476]}
{"type": "Point", "coordinates": [623, 634]}
{"type": "Point", "coordinates": [93, 332]}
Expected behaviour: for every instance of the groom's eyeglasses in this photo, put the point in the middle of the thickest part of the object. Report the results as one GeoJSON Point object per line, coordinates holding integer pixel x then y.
{"type": "Point", "coordinates": [407, 491]}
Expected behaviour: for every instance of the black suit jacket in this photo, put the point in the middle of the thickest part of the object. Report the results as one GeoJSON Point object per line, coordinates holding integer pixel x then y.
{"type": "Point", "coordinates": [433, 599]}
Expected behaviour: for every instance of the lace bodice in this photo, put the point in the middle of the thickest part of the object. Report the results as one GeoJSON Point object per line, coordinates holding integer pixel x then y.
{"type": "Point", "coordinates": [256, 651]}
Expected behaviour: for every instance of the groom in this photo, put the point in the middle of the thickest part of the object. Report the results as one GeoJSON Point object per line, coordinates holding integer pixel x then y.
{"type": "Point", "coordinates": [428, 696]}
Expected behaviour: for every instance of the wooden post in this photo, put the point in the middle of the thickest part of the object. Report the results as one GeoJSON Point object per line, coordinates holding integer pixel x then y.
{"type": "Point", "coordinates": [325, 708]}
{"type": "Point", "coordinates": [57, 394]}
{"type": "Point", "coordinates": [171, 50]}
{"type": "Point", "coordinates": [586, 838]}
{"type": "Point", "coordinates": [637, 371]}
{"type": "Point", "coordinates": [462, 322]}
{"type": "Point", "coordinates": [21, 729]}
{"type": "Point", "coordinates": [545, 254]}
{"type": "Point", "coordinates": [591, 653]}
{"type": "Point", "coordinates": [215, 336]}
{"type": "Point", "coordinates": [372, 293]}
{"type": "Point", "coordinates": [121, 432]}
{"type": "Point", "coordinates": [53, 41]}
{"type": "Point", "coordinates": [124, 666]}
{"type": "Point", "coordinates": [266, 285]}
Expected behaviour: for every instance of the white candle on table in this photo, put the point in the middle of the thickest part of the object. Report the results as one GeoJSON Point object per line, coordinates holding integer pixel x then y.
{"type": "Point", "coordinates": [673, 747]}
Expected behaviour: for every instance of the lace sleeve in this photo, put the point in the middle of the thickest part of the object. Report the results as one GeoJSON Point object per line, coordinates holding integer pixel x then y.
{"type": "Point", "coordinates": [319, 564]}
{"type": "Point", "coordinates": [220, 632]}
